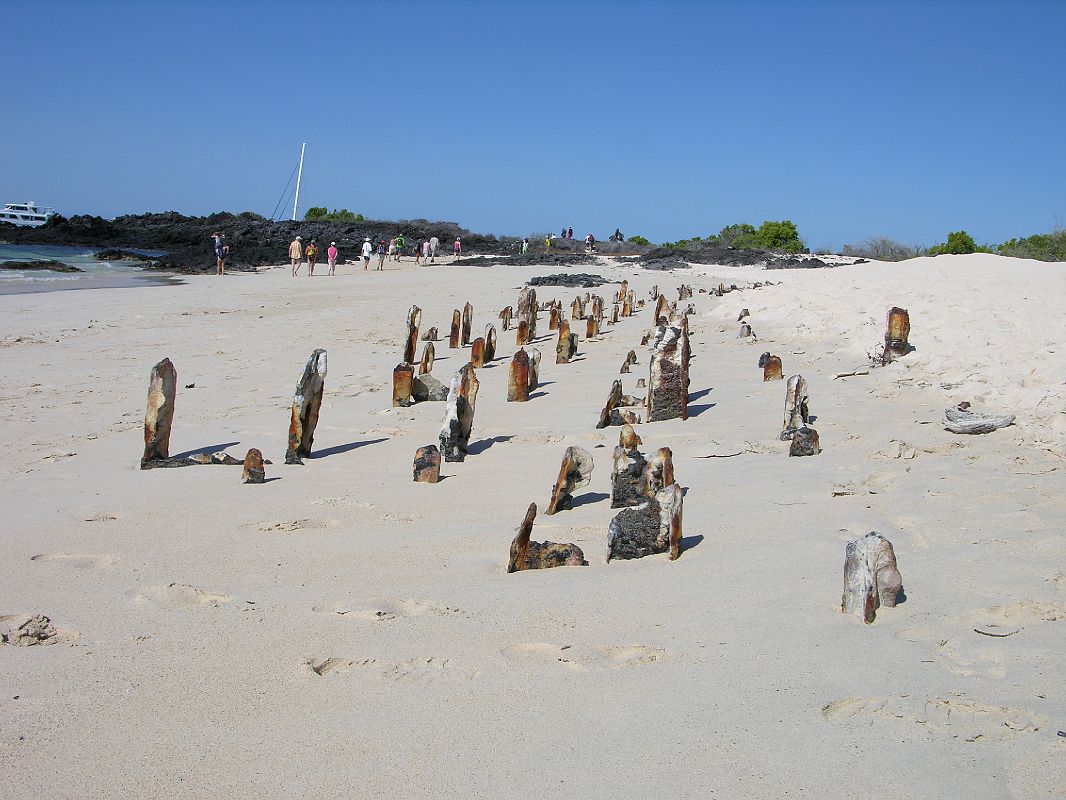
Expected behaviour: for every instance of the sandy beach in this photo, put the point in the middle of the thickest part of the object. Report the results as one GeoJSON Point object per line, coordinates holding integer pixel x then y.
{"type": "Point", "coordinates": [342, 631]}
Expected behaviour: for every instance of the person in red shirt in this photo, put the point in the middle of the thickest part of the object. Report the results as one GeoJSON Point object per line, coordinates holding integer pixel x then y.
{"type": "Point", "coordinates": [331, 255]}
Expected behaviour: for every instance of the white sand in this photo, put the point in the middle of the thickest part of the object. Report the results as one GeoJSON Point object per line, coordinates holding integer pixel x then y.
{"type": "Point", "coordinates": [200, 604]}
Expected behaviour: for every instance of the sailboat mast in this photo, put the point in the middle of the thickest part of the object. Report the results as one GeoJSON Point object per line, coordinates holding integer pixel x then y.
{"type": "Point", "coordinates": [299, 174]}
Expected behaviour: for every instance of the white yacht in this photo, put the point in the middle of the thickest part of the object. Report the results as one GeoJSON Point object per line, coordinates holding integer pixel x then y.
{"type": "Point", "coordinates": [29, 214]}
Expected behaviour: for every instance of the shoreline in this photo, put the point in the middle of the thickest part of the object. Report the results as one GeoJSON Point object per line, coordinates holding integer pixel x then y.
{"type": "Point", "coordinates": [86, 281]}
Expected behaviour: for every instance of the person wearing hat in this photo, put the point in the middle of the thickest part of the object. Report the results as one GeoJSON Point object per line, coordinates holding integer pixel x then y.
{"type": "Point", "coordinates": [331, 257]}
{"type": "Point", "coordinates": [296, 254]}
{"type": "Point", "coordinates": [367, 251]}
{"type": "Point", "coordinates": [457, 248]}
{"type": "Point", "coordinates": [382, 252]}
{"type": "Point", "coordinates": [221, 251]}
{"type": "Point", "coordinates": [312, 256]}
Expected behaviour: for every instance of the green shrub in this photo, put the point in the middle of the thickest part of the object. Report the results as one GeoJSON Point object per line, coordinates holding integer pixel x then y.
{"type": "Point", "coordinates": [741, 235]}
{"type": "Point", "coordinates": [639, 240]}
{"type": "Point", "coordinates": [315, 213]}
{"type": "Point", "coordinates": [959, 243]}
{"type": "Point", "coordinates": [781, 235]}
{"type": "Point", "coordinates": [680, 243]}
{"type": "Point", "coordinates": [344, 215]}
{"type": "Point", "coordinates": [1041, 246]}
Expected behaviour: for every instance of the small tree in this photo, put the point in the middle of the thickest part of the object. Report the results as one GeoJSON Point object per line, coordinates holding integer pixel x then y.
{"type": "Point", "coordinates": [639, 240]}
{"type": "Point", "coordinates": [780, 235]}
{"type": "Point", "coordinates": [316, 213]}
{"type": "Point", "coordinates": [344, 215]}
{"type": "Point", "coordinates": [958, 243]}
{"type": "Point", "coordinates": [741, 235]}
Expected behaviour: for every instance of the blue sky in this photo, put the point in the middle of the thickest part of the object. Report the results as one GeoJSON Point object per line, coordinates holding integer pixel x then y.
{"type": "Point", "coordinates": [668, 119]}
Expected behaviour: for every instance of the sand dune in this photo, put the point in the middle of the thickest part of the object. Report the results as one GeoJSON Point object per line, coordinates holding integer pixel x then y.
{"type": "Point", "coordinates": [345, 631]}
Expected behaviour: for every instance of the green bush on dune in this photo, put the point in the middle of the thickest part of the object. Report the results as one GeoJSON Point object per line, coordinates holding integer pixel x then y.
{"type": "Point", "coordinates": [958, 243]}
{"type": "Point", "coordinates": [1041, 246]}
{"type": "Point", "coordinates": [781, 236]}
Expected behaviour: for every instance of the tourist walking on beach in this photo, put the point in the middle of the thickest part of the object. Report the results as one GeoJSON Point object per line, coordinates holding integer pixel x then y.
{"type": "Point", "coordinates": [457, 248]}
{"type": "Point", "coordinates": [367, 251]}
{"type": "Point", "coordinates": [382, 251]}
{"type": "Point", "coordinates": [312, 255]}
{"type": "Point", "coordinates": [425, 251]}
{"type": "Point", "coordinates": [331, 255]}
{"type": "Point", "coordinates": [434, 248]}
{"type": "Point", "coordinates": [221, 251]}
{"type": "Point", "coordinates": [401, 243]}
{"type": "Point", "coordinates": [525, 246]}
{"type": "Point", "coordinates": [590, 243]}
{"type": "Point", "coordinates": [296, 254]}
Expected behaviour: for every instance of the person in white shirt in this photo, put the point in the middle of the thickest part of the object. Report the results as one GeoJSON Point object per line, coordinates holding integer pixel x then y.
{"type": "Point", "coordinates": [367, 251]}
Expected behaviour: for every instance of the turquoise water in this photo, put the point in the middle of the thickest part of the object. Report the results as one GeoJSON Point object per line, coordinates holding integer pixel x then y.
{"type": "Point", "coordinates": [94, 275]}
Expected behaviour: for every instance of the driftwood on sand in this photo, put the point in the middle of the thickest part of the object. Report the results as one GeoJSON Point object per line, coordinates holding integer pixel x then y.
{"type": "Point", "coordinates": [540, 555]}
{"type": "Point", "coordinates": [652, 527]}
{"type": "Point", "coordinates": [574, 473]}
{"type": "Point", "coordinates": [159, 413]}
{"type": "Point", "coordinates": [254, 471]}
{"type": "Point", "coordinates": [871, 578]}
{"type": "Point", "coordinates": [306, 403]}
{"type": "Point", "coordinates": [959, 420]}
{"type": "Point", "coordinates": [459, 414]}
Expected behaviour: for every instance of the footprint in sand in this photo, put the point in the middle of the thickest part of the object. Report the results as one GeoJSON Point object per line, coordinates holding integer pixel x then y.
{"type": "Point", "coordinates": [581, 658]}
{"type": "Point", "coordinates": [179, 595]}
{"type": "Point", "coordinates": [1021, 613]}
{"type": "Point", "coordinates": [102, 516]}
{"type": "Point", "coordinates": [954, 718]}
{"type": "Point", "coordinates": [387, 432]}
{"type": "Point", "coordinates": [78, 561]}
{"type": "Point", "coordinates": [422, 670]}
{"type": "Point", "coordinates": [290, 526]}
{"type": "Point", "coordinates": [976, 644]}
{"type": "Point", "coordinates": [540, 438]}
{"type": "Point", "coordinates": [361, 505]}
{"type": "Point", "coordinates": [897, 448]}
{"type": "Point", "coordinates": [874, 483]}
{"type": "Point", "coordinates": [385, 610]}
{"type": "Point", "coordinates": [969, 655]}
{"type": "Point", "coordinates": [345, 501]}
